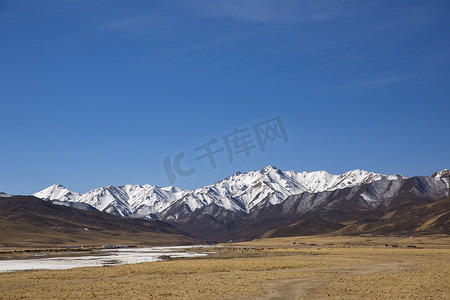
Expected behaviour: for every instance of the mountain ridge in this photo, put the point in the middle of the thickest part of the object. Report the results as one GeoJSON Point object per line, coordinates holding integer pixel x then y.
{"type": "Point", "coordinates": [27, 221]}
{"type": "Point", "coordinates": [240, 192]}
{"type": "Point", "coordinates": [249, 205]}
{"type": "Point", "coordinates": [361, 203]}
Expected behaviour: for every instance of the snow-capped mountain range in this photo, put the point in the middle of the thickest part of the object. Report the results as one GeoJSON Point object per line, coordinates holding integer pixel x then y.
{"type": "Point", "coordinates": [129, 200]}
{"type": "Point", "coordinates": [248, 205]}
{"type": "Point", "coordinates": [241, 192]}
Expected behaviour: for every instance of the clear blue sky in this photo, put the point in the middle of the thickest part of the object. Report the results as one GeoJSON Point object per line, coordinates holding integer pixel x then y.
{"type": "Point", "coordinates": [94, 93]}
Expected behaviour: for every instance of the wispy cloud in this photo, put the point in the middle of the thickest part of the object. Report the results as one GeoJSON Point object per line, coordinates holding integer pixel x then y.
{"type": "Point", "coordinates": [276, 10]}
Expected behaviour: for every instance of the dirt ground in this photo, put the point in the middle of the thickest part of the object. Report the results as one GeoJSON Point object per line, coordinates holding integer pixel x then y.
{"type": "Point", "coordinates": [280, 268]}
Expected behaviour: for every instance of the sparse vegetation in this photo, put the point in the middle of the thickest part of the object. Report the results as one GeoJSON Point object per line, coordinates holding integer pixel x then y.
{"type": "Point", "coordinates": [314, 267]}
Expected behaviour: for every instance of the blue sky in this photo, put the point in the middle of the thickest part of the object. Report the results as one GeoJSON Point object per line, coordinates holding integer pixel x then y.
{"type": "Point", "coordinates": [94, 93]}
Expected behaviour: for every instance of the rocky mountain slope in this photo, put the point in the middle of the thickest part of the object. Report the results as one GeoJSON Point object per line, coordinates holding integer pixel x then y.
{"type": "Point", "coordinates": [358, 203]}
{"type": "Point", "coordinates": [26, 221]}
{"type": "Point", "coordinates": [124, 201]}
{"type": "Point", "coordinates": [247, 205]}
{"type": "Point", "coordinates": [241, 192]}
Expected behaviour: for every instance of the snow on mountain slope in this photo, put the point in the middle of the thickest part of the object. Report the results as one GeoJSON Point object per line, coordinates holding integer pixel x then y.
{"type": "Point", "coordinates": [323, 181]}
{"type": "Point", "coordinates": [57, 192]}
{"type": "Point", "coordinates": [110, 199]}
{"type": "Point", "coordinates": [79, 205]}
{"type": "Point", "coordinates": [243, 191]}
{"type": "Point", "coordinates": [128, 200]}
{"type": "Point", "coordinates": [149, 199]}
{"type": "Point", "coordinates": [444, 173]}
{"type": "Point", "coordinates": [240, 192]}
{"type": "Point", "coordinates": [269, 186]}
{"type": "Point", "coordinates": [4, 195]}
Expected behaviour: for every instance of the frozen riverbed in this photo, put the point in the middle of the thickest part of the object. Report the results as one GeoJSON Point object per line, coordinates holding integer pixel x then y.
{"type": "Point", "coordinates": [108, 257]}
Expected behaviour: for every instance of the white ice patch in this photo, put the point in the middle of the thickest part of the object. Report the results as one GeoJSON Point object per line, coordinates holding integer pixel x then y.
{"type": "Point", "coordinates": [110, 257]}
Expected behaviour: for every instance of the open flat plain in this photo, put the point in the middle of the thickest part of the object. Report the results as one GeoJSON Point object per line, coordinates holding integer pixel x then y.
{"type": "Point", "coordinates": [311, 267]}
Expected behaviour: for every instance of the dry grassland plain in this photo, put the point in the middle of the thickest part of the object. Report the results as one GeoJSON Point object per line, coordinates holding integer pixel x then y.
{"type": "Point", "coordinates": [315, 267]}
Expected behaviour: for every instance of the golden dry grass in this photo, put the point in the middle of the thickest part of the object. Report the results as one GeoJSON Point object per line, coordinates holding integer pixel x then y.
{"type": "Point", "coordinates": [351, 268]}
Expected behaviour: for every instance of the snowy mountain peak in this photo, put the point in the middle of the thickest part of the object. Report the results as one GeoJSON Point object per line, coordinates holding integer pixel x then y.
{"type": "Point", "coordinates": [127, 200]}
{"type": "Point", "coordinates": [269, 186]}
{"type": "Point", "coordinates": [444, 173]}
{"type": "Point", "coordinates": [270, 168]}
{"type": "Point", "coordinates": [56, 187]}
{"type": "Point", "coordinates": [241, 192]}
{"type": "Point", "coordinates": [173, 189]}
{"type": "Point", "coordinates": [56, 192]}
